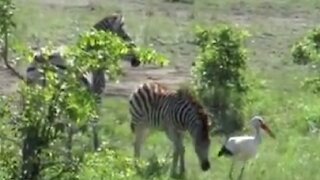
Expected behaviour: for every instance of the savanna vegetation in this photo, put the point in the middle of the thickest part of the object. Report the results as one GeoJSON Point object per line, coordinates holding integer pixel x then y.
{"type": "Point", "coordinates": [240, 58]}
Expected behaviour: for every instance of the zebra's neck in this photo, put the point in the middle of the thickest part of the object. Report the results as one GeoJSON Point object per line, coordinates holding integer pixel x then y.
{"type": "Point", "coordinates": [192, 123]}
{"type": "Point", "coordinates": [182, 111]}
{"type": "Point", "coordinates": [95, 80]}
{"type": "Point", "coordinates": [194, 130]}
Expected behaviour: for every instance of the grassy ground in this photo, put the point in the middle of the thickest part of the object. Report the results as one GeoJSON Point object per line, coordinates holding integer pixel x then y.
{"type": "Point", "coordinates": [291, 111]}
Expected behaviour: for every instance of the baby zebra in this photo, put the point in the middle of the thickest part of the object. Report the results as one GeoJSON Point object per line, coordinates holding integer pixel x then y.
{"type": "Point", "coordinates": [153, 106]}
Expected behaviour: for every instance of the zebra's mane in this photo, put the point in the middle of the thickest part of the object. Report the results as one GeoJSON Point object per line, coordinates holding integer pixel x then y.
{"type": "Point", "coordinates": [202, 113]}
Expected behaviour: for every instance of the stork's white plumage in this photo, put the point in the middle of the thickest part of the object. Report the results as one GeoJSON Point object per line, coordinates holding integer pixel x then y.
{"type": "Point", "coordinates": [242, 148]}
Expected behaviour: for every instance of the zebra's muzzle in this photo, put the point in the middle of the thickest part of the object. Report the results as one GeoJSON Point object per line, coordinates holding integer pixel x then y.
{"type": "Point", "coordinates": [205, 165]}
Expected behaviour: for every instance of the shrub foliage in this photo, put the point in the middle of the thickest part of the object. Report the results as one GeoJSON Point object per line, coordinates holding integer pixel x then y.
{"type": "Point", "coordinates": [307, 49]}
{"type": "Point", "coordinates": [218, 73]}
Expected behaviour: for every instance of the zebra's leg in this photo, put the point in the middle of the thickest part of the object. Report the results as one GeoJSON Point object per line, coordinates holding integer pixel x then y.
{"type": "Point", "coordinates": [140, 136]}
{"type": "Point", "coordinates": [182, 152]}
{"type": "Point", "coordinates": [178, 152]}
{"type": "Point", "coordinates": [69, 142]}
{"type": "Point", "coordinates": [95, 136]}
{"type": "Point", "coordinates": [94, 124]}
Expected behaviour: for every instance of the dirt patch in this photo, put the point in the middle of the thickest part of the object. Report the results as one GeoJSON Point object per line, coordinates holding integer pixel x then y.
{"type": "Point", "coordinates": [8, 81]}
{"type": "Point", "coordinates": [135, 76]}
{"type": "Point", "coordinates": [64, 3]}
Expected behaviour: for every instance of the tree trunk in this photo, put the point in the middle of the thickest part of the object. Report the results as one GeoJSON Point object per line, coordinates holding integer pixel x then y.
{"type": "Point", "coordinates": [5, 56]}
{"type": "Point", "coordinates": [30, 155]}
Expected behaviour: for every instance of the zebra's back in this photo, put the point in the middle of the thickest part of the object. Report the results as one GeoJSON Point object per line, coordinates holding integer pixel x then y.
{"type": "Point", "coordinates": [35, 74]}
{"type": "Point", "coordinates": [149, 104]}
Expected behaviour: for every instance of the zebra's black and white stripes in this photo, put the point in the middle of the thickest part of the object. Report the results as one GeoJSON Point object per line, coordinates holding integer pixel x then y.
{"type": "Point", "coordinates": [153, 106]}
{"type": "Point", "coordinates": [114, 23]}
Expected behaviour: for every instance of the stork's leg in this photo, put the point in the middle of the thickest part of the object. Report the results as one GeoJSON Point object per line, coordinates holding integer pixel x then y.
{"type": "Point", "coordinates": [242, 170]}
{"type": "Point", "coordinates": [231, 170]}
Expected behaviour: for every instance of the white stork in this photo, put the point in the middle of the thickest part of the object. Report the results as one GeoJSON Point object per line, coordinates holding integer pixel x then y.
{"type": "Point", "coordinates": [242, 148]}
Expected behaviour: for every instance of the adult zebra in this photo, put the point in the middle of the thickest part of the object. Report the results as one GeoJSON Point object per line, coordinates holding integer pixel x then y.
{"type": "Point", "coordinates": [153, 106]}
{"type": "Point", "coordinates": [96, 80]}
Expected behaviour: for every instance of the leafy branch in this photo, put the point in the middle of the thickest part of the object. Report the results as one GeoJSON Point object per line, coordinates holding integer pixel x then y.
{"type": "Point", "coordinates": [6, 27]}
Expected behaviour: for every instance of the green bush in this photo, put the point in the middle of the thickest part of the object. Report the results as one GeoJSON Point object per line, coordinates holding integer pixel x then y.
{"type": "Point", "coordinates": [115, 164]}
{"type": "Point", "coordinates": [218, 73]}
{"type": "Point", "coordinates": [65, 99]}
{"type": "Point", "coordinates": [312, 84]}
{"type": "Point", "coordinates": [307, 49]}
{"type": "Point", "coordinates": [107, 164]}
{"type": "Point", "coordinates": [10, 145]}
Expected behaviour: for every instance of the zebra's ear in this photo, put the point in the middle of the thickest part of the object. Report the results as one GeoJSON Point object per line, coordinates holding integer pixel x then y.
{"type": "Point", "coordinates": [210, 124]}
{"type": "Point", "coordinates": [210, 121]}
{"type": "Point", "coordinates": [119, 20]}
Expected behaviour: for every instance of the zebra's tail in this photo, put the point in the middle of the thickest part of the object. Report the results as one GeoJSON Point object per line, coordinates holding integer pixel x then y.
{"type": "Point", "coordinates": [132, 126]}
